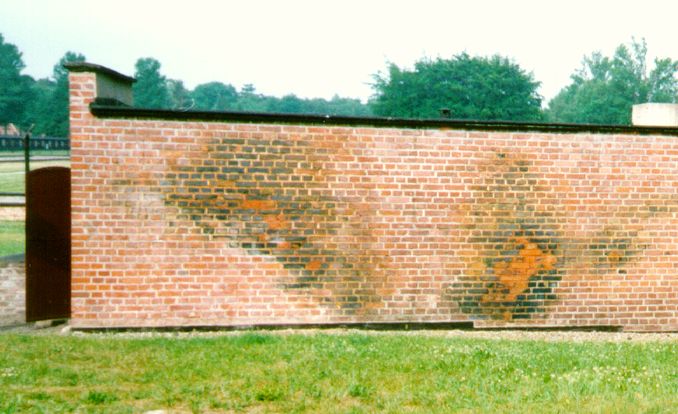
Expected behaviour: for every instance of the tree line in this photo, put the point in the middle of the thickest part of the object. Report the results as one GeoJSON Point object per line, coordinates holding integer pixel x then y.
{"type": "Point", "coordinates": [601, 91]}
{"type": "Point", "coordinates": [154, 90]}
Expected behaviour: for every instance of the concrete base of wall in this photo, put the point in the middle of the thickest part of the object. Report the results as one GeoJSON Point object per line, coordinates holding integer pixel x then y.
{"type": "Point", "coordinates": [12, 290]}
{"type": "Point", "coordinates": [393, 326]}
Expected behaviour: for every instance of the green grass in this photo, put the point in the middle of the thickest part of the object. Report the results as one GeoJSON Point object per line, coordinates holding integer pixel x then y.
{"type": "Point", "coordinates": [12, 176]}
{"type": "Point", "coordinates": [354, 373]}
{"type": "Point", "coordinates": [12, 237]}
{"type": "Point", "coordinates": [12, 181]}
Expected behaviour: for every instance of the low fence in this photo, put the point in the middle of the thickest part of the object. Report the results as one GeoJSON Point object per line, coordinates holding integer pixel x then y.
{"type": "Point", "coordinates": [16, 143]}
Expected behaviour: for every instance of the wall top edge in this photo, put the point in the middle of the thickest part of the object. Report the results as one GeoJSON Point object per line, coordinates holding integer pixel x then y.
{"type": "Point", "coordinates": [103, 110]}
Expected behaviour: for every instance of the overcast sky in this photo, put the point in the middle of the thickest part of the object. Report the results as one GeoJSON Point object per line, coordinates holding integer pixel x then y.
{"type": "Point", "coordinates": [321, 48]}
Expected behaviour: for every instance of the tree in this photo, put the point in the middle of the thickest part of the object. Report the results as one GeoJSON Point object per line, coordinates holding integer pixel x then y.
{"type": "Point", "coordinates": [49, 111]}
{"type": "Point", "coordinates": [215, 96]}
{"type": "Point", "coordinates": [40, 113]}
{"type": "Point", "coordinates": [604, 89]}
{"type": "Point", "coordinates": [179, 96]}
{"type": "Point", "coordinates": [471, 87]}
{"type": "Point", "coordinates": [344, 106]}
{"type": "Point", "coordinates": [15, 91]}
{"type": "Point", "coordinates": [151, 88]}
{"type": "Point", "coordinates": [60, 125]}
{"type": "Point", "coordinates": [251, 101]}
{"type": "Point", "coordinates": [292, 104]}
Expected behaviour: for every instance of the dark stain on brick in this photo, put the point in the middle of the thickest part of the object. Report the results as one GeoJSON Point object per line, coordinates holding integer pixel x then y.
{"type": "Point", "coordinates": [613, 248]}
{"type": "Point", "coordinates": [271, 199]}
{"type": "Point", "coordinates": [522, 254]}
{"type": "Point", "coordinates": [260, 203]}
{"type": "Point", "coordinates": [516, 280]}
{"type": "Point", "coordinates": [517, 241]}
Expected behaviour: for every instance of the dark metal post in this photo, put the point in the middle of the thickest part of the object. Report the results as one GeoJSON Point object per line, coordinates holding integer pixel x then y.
{"type": "Point", "coordinates": [27, 154]}
{"type": "Point", "coordinates": [27, 169]}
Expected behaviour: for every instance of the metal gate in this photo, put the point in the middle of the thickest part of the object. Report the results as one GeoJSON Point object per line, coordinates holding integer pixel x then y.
{"type": "Point", "coordinates": [48, 244]}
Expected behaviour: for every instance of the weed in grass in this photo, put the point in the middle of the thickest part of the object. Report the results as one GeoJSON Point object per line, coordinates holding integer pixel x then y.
{"type": "Point", "coordinates": [39, 396]}
{"type": "Point", "coordinates": [315, 391]}
{"type": "Point", "coordinates": [269, 393]}
{"type": "Point", "coordinates": [97, 398]}
{"type": "Point", "coordinates": [255, 339]}
{"type": "Point", "coordinates": [358, 390]}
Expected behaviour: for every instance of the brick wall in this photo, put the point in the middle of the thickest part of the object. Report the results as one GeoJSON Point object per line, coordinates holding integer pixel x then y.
{"type": "Point", "coordinates": [12, 290]}
{"type": "Point", "coordinates": [227, 222]}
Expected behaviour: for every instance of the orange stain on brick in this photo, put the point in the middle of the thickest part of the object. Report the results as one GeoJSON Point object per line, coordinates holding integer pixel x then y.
{"type": "Point", "coordinates": [284, 245]}
{"type": "Point", "coordinates": [257, 204]}
{"type": "Point", "coordinates": [515, 274]}
{"type": "Point", "coordinates": [314, 265]}
{"type": "Point", "coordinates": [615, 257]}
{"type": "Point", "coordinates": [276, 222]}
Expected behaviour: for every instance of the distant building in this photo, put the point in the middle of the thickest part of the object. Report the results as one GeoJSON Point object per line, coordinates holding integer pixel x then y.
{"type": "Point", "coordinates": [11, 130]}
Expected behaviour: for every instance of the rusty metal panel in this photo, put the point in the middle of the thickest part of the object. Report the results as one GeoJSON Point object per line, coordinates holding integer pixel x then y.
{"type": "Point", "coordinates": [48, 244]}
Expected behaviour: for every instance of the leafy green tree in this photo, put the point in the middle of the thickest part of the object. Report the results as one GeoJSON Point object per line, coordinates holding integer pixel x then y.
{"type": "Point", "coordinates": [40, 113]}
{"type": "Point", "coordinates": [151, 88]}
{"type": "Point", "coordinates": [15, 88]}
{"type": "Point", "coordinates": [346, 106]}
{"type": "Point", "coordinates": [479, 88]}
{"type": "Point", "coordinates": [290, 104]}
{"type": "Point", "coordinates": [179, 96]}
{"type": "Point", "coordinates": [336, 106]}
{"type": "Point", "coordinates": [604, 90]}
{"type": "Point", "coordinates": [215, 96]}
{"type": "Point", "coordinates": [251, 101]}
{"type": "Point", "coordinates": [49, 112]}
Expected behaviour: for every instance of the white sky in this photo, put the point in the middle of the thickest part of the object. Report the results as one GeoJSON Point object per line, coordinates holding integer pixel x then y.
{"type": "Point", "coordinates": [321, 48]}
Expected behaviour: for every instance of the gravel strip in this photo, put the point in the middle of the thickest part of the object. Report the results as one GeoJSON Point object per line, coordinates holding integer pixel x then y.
{"type": "Point", "coordinates": [512, 335]}
{"type": "Point", "coordinates": [489, 334]}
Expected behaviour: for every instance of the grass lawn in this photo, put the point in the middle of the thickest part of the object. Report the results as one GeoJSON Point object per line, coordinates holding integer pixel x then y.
{"type": "Point", "coordinates": [12, 174]}
{"type": "Point", "coordinates": [354, 373]}
{"type": "Point", "coordinates": [12, 237]}
{"type": "Point", "coordinates": [11, 181]}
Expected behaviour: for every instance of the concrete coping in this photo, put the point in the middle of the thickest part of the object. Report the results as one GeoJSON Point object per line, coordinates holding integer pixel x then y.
{"type": "Point", "coordinates": [93, 67]}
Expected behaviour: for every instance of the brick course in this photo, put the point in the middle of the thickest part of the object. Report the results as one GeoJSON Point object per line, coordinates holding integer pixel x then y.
{"type": "Point", "coordinates": [193, 223]}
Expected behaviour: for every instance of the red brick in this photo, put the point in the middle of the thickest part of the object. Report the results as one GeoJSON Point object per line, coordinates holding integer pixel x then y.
{"type": "Point", "coordinates": [199, 223]}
